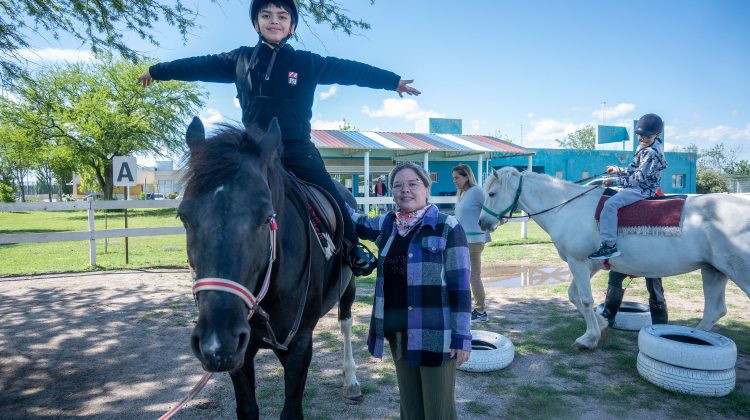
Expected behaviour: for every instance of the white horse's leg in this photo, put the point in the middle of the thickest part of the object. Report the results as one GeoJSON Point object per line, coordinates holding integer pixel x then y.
{"type": "Point", "coordinates": [582, 280]}
{"type": "Point", "coordinates": [351, 388]}
{"type": "Point", "coordinates": [714, 295]}
{"type": "Point", "coordinates": [573, 296]}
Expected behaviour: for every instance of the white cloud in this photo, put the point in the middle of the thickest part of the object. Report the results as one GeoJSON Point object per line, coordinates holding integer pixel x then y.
{"type": "Point", "coordinates": [211, 117]}
{"type": "Point", "coordinates": [619, 110]}
{"type": "Point", "coordinates": [326, 125]}
{"type": "Point", "coordinates": [407, 109]}
{"type": "Point", "coordinates": [55, 54]}
{"type": "Point", "coordinates": [713, 134]}
{"type": "Point", "coordinates": [327, 94]}
{"type": "Point", "coordinates": [544, 132]}
{"type": "Point", "coordinates": [475, 127]}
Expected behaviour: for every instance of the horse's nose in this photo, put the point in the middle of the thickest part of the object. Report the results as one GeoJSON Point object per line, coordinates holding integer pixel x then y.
{"type": "Point", "coordinates": [220, 352]}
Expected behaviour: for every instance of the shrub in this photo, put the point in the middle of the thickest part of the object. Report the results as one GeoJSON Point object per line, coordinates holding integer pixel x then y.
{"type": "Point", "coordinates": [6, 193]}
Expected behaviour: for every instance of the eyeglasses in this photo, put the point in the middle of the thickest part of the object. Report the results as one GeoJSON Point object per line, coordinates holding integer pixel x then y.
{"type": "Point", "coordinates": [411, 185]}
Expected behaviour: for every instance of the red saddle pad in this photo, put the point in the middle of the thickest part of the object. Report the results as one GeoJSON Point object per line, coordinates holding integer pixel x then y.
{"type": "Point", "coordinates": [663, 212]}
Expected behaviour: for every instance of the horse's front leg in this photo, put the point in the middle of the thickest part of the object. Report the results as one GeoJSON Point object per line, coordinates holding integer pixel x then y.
{"type": "Point", "coordinates": [243, 380]}
{"type": "Point", "coordinates": [581, 297]}
{"type": "Point", "coordinates": [296, 362]}
{"type": "Point", "coordinates": [714, 296]}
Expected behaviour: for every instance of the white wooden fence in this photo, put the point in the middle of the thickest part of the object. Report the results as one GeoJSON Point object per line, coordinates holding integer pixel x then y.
{"type": "Point", "coordinates": [92, 234]}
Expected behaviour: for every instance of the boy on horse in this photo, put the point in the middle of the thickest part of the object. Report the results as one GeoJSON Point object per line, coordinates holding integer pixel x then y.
{"type": "Point", "coordinates": [639, 180]}
{"type": "Point", "coordinates": [275, 80]}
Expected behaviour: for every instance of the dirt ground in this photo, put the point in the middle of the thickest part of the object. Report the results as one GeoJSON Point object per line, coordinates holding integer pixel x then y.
{"type": "Point", "coordinates": [115, 345]}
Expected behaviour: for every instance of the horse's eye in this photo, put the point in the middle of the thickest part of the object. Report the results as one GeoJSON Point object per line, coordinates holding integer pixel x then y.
{"type": "Point", "coordinates": [491, 194]}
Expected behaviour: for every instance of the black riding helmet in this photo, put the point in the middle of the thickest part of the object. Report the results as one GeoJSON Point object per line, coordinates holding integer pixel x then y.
{"type": "Point", "coordinates": [288, 5]}
{"type": "Point", "coordinates": [649, 124]}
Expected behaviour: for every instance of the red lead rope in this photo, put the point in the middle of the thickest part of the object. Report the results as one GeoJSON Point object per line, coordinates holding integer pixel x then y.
{"type": "Point", "coordinates": [229, 286]}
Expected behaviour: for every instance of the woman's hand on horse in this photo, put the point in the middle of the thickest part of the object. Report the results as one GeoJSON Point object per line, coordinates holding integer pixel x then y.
{"type": "Point", "coordinates": [460, 355]}
{"type": "Point", "coordinates": [612, 169]}
{"type": "Point", "coordinates": [608, 181]}
{"type": "Point", "coordinates": [146, 79]}
{"type": "Point", "coordinates": [403, 87]}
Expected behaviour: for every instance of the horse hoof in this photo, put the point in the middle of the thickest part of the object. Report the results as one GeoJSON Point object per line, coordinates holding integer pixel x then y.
{"type": "Point", "coordinates": [579, 346]}
{"type": "Point", "coordinates": [353, 394]}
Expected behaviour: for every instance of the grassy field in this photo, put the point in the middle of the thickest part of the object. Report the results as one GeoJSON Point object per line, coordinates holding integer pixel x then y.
{"type": "Point", "coordinates": [169, 251]}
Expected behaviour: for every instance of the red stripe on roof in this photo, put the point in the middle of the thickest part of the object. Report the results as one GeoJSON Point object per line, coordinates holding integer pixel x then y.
{"type": "Point", "coordinates": [328, 140]}
{"type": "Point", "coordinates": [500, 143]}
{"type": "Point", "coordinates": [419, 144]}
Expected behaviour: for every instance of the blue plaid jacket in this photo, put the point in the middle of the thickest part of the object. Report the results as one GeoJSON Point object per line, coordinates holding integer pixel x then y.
{"type": "Point", "coordinates": [438, 288]}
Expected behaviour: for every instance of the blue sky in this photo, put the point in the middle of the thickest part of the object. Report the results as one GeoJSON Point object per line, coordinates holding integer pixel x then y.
{"type": "Point", "coordinates": [534, 70]}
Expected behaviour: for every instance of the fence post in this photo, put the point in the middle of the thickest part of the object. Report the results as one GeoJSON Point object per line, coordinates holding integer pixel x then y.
{"type": "Point", "coordinates": [92, 240]}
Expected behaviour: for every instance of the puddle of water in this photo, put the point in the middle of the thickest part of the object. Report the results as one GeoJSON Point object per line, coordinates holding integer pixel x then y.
{"type": "Point", "coordinates": [515, 276]}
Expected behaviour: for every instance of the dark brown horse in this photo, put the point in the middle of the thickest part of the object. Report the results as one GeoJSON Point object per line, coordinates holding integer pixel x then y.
{"type": "Point", "coordinates": [261, 278]}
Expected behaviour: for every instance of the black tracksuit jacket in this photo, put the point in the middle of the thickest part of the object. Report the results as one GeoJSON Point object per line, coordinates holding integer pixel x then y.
{"type": "Point", "coordinates": [288, 91]}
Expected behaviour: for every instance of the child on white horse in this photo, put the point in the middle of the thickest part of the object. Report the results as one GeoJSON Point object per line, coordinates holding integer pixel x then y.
{"type": "Point", "coordinates": [639, 180]}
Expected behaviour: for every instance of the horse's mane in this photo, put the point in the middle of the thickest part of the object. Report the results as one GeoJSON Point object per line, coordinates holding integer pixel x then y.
{"type": "Point", "coordinates": [216, 160]}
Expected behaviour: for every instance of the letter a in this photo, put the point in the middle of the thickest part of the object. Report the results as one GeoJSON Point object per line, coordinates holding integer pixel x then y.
{"type": "Point", "coordinates": [125, 173]}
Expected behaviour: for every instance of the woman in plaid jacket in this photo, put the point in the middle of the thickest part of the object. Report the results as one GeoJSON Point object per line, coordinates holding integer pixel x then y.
{"type": "Point", "coordinates": [422, 295]}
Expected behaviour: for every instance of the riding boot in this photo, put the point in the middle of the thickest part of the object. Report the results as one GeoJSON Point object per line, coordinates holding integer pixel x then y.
{"type": "Point", "coordinates": [612, 303]}
{"type": "Point", "coordinates": [360, 259]}
{"type": "Point", "coordinates": [658, 312]}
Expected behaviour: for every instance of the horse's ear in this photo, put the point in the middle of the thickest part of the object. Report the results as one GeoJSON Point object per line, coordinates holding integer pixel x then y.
{"type": "Point", "coordinates": [195, 133]}
{"type": "Point", "coordinates": [495, 174]}
{"type": "Point", "coordinates": [270, 141]}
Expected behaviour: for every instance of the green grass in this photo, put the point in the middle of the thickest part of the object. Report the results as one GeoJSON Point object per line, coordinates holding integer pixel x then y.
{"type": "Point", "coordinates": [169, 251]}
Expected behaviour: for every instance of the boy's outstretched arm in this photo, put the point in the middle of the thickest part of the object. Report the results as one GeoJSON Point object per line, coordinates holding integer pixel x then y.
{"type": "Point", "coordinates": [146, 79]}
{"type": "Point", "coordinates": [403, 87]}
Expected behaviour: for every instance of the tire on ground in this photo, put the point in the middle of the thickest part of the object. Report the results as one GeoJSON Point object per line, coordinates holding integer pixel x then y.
{"type": "Point", "coordinates": [490, 351]}
{"type": "Point", "coordinates": [707, 383]}
{"type": "Point", "coordinates": [632, 316]}
{"type": "Point", "coordinates": [687, 347]}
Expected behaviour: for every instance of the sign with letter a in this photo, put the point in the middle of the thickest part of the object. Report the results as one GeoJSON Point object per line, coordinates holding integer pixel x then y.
{"type": "Point", "coordinates": [124, 171]}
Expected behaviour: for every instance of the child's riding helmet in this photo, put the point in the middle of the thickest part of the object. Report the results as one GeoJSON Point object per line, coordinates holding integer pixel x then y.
{"type": "Point", "coordinates": [649, 124]}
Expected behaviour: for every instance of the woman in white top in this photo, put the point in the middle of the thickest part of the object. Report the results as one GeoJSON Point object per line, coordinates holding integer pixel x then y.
{"type": "Point", "coordinates": [469, 201]}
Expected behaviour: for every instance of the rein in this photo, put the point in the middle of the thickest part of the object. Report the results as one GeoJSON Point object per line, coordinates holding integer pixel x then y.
{"type": "Point", "coordinates": [509, 210]}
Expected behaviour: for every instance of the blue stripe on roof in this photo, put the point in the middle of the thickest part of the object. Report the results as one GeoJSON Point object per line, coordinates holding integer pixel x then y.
{"type": "Point", "coordinates": [364, 140]}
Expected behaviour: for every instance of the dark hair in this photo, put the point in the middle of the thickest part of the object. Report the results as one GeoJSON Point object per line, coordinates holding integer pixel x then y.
{"type": "Point", "coordinates": [421, 173]}
{"type": "Point", "coordinates": [288, 5]}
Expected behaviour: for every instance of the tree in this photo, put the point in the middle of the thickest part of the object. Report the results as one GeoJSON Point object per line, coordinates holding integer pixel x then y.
{"type": "Point", "coordinates": [16, 155]}
{"type": "Point", "coordinates": [710, 181]}
{"type": "Point", "coordinates": [101, 24]}
{"type": "Point", "coordinates": [96, 111]}
{"type": "Point", "coordinates": [718, 158]}
{"type": "Point", "coordinates": [583, 139]}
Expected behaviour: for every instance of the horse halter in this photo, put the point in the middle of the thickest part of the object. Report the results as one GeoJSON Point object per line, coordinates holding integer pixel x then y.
{"type": "Point", "coordinates": [235, 288]}
{"type": "Point", "coordinates": [510, 209]}
{"type": "Point", "coordinates": [514, 205]}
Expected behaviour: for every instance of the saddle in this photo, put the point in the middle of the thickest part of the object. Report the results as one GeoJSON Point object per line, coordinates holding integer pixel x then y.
{"type": "Point", "coordinates": [659, 215]}
{"type": "Point", "coordinates": [325, 217]}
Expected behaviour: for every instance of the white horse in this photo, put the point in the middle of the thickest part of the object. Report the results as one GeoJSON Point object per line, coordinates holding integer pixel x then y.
{"type": "Point", "coordinates": [715, 238]}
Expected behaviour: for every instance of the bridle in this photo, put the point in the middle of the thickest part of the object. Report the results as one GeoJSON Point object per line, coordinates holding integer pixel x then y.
{"type": "Point", "coordinates": [235, 288]}
{"type": "Point", "coordinates": [510, 209]}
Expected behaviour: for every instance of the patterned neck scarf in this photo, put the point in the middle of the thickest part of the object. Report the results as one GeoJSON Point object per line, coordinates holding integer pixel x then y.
{"type": "Point", "coordinates": [405, 222]}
